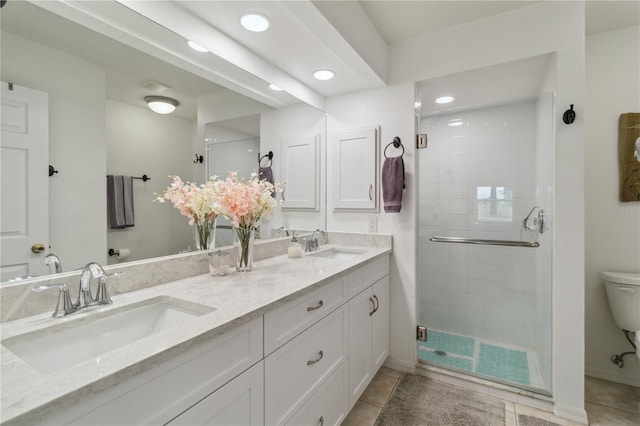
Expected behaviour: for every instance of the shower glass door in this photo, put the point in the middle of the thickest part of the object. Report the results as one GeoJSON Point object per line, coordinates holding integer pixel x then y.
{"type": "Point", "coordinates": [487, 175]}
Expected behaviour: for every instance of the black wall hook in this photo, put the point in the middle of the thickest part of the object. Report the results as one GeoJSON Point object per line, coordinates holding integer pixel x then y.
{"type": "Point", "coordinates": [199, 159]}
{"type": "Point", "coordinates": [569, 116]}
{"type": "Point", "coordinates": [52, 170]}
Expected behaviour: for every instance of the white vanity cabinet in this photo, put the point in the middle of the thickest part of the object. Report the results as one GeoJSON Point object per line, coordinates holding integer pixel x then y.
{"type": "Point", "coordinates": [304, 362]}
{"type": "Point", "coordinates": [355, 169]}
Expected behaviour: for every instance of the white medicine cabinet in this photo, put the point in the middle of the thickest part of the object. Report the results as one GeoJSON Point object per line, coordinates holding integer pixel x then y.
{"type": "Point", "coordinates": [301, 172]}
{"type": "Point", "coordinates": [355, 169]}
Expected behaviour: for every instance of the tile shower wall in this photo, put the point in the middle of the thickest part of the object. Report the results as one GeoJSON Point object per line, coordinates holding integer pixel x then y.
{"type": "Point", "coordinates": [478, 180]}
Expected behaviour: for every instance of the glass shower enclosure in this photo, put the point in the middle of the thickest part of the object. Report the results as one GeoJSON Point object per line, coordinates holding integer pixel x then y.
{"type": "Point", "coordinates": [485, 215]}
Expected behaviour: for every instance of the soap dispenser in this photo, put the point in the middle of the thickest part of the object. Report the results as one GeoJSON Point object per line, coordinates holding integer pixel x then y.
{"type": "Point", "coordinates": [295, 249]}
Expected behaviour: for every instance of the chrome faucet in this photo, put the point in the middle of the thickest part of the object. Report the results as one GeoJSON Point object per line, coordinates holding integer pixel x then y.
{"type": "Point", "coordinates": [85, 297]}
{"type": "Point", "coordinates": [53, 262]}
{"type": "Point", "coordinates": [283, 229]}
{"type": "Point", "coordinates": [312, 242]}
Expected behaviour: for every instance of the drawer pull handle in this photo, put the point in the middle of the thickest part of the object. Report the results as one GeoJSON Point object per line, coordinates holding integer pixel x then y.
{"type": "Point", "coordinates": [373, 306]}
{"type": "Point", "coordinates": [321, 420]}
{"type": "Point", "coordinates": [313, 308]}
{"type": "Point", "coordinates": [313, 361]}
{"type": "Point", "coordinates": [371, 192]}
{"type": "Point", "coordinates": [377, 304]}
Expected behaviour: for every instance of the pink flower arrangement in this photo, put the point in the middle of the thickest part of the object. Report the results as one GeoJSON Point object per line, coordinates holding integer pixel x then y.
{"type": "Point", "coordinates": [194, 202]}
{"type": "Point", "coordinates": [244, 203]}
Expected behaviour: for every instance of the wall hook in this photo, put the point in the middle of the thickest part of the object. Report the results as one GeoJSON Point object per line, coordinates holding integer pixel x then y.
{"type": "Point", "coordinates": [199, 159]}
{"type": "Point", "coordinates": [52, 170]}
{"type": "Point", "coordinates": [569, 116]}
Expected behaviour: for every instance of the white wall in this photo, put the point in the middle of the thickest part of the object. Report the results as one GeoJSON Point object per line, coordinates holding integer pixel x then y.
{"type": "Point", "coordinates": [77, 91]}
{"type": "Point", "coordinates": [392, 109]}
{"type": "Point", "coordinates": [139, 141]}
{"type": "Point", "coordinates": [548, 27]}
{"type": "Point", "coordinates": [612, 227]}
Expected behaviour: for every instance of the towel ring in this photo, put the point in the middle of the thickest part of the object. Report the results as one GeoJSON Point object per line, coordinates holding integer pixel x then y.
{"type": "Point", "coordinates": [396, 144]}
{"type": "Point", "coordinates": [268, 156]}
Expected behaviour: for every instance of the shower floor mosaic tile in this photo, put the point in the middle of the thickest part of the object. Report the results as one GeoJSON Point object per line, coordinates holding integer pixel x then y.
{"type": "Point", "coordinates": [481, 357]}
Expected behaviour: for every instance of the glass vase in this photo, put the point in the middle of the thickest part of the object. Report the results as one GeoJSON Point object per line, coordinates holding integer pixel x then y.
{"type": "Point", "coordinates": [243, 240]}
{"type": "Point", "coordinates": [206, 232]}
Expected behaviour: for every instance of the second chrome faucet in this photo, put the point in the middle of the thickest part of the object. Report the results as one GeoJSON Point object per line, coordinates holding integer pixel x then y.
{"type": "Point", "coordinates": [85, 295]}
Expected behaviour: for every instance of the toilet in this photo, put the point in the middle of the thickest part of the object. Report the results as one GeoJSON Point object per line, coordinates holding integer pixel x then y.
{"type": "Point", "coordinates": [623, 292]}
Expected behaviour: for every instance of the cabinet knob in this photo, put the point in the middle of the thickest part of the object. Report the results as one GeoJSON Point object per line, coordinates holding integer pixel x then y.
{"type": "Point", "coordinates": [313, 361]}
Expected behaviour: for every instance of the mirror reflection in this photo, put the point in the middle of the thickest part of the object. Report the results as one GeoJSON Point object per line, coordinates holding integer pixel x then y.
{"type": "Point", "coordinates": [99, 125]}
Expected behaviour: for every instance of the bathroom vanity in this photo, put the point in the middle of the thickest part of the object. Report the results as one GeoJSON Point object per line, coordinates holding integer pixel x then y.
{"type": "Point", "coordinates": [295, 341]}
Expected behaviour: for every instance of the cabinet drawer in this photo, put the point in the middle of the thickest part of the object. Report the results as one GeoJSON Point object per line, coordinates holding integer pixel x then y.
{"type": "Point", "coordinates": [159, 394]}
{"type": "Point", "coordinates": [239, 402]}
{"type": "Point", "coordinates": [328, 406]}
{"type": "Point", "coordinates": [297, 369]}
{"type": "Point", "coordinates": [367, 275]}
{"type": "Point", "coordinates": [286, 322]}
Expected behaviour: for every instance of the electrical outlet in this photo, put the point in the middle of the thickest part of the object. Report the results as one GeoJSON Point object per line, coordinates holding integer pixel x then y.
{"type": "Point", "coordinates": [373, 225]}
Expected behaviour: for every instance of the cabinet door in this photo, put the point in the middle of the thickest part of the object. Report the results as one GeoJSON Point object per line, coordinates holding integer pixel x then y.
{"type": "Point", "coordinates": [360, 311]}
{"type": "Point", "coordinates": [301, 173]}
{"type": "Point", "coordinates": [380, 323]}
{"type": "Point", "coordinates": [239, 402]}
{"type": "Point", "coordinates": [355, 169]}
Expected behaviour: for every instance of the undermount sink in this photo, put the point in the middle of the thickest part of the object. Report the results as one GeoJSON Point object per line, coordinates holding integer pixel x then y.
{"type": "Point", "coordinates": [337, 253]}
{"type": "Point", "coordinates": [75, 341]}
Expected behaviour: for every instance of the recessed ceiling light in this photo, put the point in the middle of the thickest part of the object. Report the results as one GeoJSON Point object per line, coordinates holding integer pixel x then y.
{"type": "Point", "coordinates": [161, 104]}
{"type": "Point", "coordinates": [444, 99]}
{"type": "Point", "coordinates": [275, 88]}
{"type": "Point", "coordinates": [196, 46]}
{"type": "Point", "coordinates": [324, 75]}
{"type": "Point", "coordinates": [255, 22]}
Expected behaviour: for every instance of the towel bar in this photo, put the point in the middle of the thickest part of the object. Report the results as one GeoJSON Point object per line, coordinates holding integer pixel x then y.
{"type": "Point", "coordinates": [508, 243]}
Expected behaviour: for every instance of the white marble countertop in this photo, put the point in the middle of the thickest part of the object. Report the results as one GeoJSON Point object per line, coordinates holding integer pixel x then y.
{"type": "Point", "coordinates": [27, 395]}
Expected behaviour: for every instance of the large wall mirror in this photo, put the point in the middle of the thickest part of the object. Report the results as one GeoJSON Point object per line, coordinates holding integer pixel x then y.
{"type": "Point", "coordinates": [95, 80]}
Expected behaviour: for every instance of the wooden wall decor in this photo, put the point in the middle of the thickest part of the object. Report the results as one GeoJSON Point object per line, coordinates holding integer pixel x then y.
{"type": "Point", "coordinates": [629, 156]}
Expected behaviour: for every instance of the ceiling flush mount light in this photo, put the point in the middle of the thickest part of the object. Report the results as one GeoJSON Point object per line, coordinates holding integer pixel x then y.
{"type": "Point", "coordinates": [324, 75]}
{"type": "Point", "coordinates": [255, 22]}
{"type": "Point", "coordinates": [444, 99]}
{"type": "Point", "coordinates": [161, 104]}
{"type": "Point", "coordinates": [196, 46]}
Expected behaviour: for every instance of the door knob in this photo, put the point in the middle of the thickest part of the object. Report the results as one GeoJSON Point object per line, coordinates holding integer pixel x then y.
{"type": "Point", "coordinates": [38, 248]}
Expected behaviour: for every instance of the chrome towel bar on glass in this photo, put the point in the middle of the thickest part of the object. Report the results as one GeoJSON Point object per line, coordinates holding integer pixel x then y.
{"type": "Point", "coordinates": [508, 243]}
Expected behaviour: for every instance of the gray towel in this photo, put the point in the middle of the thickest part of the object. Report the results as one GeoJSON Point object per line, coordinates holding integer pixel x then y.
{"type": "Point", "coordinates": [120, 201]}
{"type": "Point", "coordinates": [267, 174]}
{"type": "Point", "coordinates": [127, 195]}
{"type": "Point", "coordinates": [392, 184]}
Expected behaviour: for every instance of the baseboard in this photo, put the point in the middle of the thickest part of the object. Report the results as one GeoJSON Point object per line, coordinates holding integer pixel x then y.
{"type": "Point", "coordinates": [578, 415]}
{"type": "Point", "coordinates": [396, 364]}
{"type": "Point", "coordinates": [627, 379]}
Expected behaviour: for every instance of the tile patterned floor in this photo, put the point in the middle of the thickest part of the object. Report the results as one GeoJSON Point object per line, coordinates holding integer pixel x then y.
{"type": "Point", "coordinates": [607, 403]}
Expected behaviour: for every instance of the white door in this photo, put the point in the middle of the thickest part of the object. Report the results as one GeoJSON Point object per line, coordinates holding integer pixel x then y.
{"type": "Point", "coordinates": [24, 180]}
